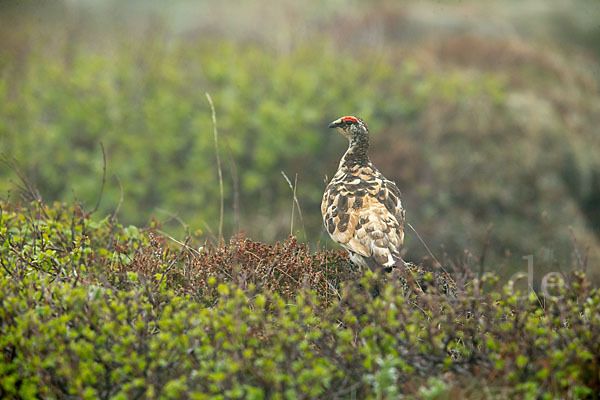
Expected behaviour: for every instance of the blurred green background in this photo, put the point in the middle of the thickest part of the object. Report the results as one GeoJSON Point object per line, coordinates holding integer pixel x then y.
{"type": "Point", "coordinates": [485, 113]}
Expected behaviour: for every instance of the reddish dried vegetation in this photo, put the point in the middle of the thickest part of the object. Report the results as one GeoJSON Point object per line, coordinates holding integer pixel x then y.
{"type": "Point", "coordinates": [284, 267]}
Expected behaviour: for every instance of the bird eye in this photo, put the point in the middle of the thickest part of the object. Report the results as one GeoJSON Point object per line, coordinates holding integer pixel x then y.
{"type": "Point", "coordinates": [348, 122]}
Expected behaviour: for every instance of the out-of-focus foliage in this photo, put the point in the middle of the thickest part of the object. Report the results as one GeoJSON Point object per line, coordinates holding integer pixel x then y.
{"type": "Point", "coordinates": [476, 130]}
{"type": "Point", "coordinates": [92, 309]}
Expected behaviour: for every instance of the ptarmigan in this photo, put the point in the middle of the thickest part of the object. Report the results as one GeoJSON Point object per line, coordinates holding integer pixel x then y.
{"type": "Point", "coordinates": [362, 210]}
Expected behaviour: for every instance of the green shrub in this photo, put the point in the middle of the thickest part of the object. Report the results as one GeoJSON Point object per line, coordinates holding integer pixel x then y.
{"type": "Point", "coordinates": [87, 314]}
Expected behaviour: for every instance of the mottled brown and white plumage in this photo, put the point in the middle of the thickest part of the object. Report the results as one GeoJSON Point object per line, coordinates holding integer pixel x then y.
{"type": "Point", "coordinates": [362, 210]}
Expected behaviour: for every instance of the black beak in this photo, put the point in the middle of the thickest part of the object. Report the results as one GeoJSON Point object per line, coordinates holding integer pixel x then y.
{"type": "Point", "coordinates": [336, 123]}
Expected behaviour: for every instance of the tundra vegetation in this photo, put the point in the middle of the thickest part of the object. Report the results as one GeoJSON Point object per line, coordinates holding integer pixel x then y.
{"type": "Point", "coordinates": [93, 309]}
{"type": "Point", "coordinates": [115, 282]}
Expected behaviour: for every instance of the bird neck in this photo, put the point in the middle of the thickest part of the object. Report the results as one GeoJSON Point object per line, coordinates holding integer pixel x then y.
{"type": "Point", "coordinates": [357, 152]}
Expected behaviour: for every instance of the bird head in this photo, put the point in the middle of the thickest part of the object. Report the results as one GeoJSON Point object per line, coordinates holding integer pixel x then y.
{"type": "Point", "coordinates": [351, 127]}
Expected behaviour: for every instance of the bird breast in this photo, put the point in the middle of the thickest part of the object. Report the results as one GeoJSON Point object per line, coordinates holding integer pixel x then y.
{"type": "Point", "coordinates": [363, 212]}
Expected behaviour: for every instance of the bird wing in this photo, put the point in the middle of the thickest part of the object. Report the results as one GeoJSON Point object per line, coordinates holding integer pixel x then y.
{"type": "Point", "coordinates": [368, 221]}
{"type": "Point", "coordinates": [341, 218]}
{"type": "Point", "coordinates": [379, 230]}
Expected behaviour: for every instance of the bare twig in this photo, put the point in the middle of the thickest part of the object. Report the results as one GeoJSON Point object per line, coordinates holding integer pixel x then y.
{"type": "Point", "coordinates": [114, 216]}
{"type": "Point", "coordinates": [298, 204]}
{"type": "Point", "coordinates": [208, 229]}
{"type": "Point", "coordinates": [236, 191]}
{"type": "Point", "coordinates": [543, 307]}
{"type": "Point", "coordinates": [486, 244]}
{"type": "Point", "coordinates": [293, 188]}
{"type": "Point", "coordinates": [576, 247]}
{"type": "Point", "coordinates": [185, 245]}
{"type": "Point", "coordinates": [103, 182]}
{"type": "Point", "coordinates": [293, 208]}
{"type": "Point", "coordinates": [214, 120]}
{"type": "Point", "coordinates": [175, 217]}
{"type": "Point", "coordinates": [426, 247]}
{"type": "Point", "coordinates": [1, 237]}
{"type": "Point", "coordinates": [28, 191]}
{"type": "Point", "coordinates": [5, 267]}
{"type": "Point", "coordinates": [174, 260]}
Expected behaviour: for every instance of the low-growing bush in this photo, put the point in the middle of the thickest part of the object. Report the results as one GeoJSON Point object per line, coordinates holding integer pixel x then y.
{"type": "Point", "coordinates": [92, 309]}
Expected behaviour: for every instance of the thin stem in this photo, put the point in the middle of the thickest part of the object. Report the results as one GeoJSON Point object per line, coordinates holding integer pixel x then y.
{"type": "Point", "coordinates": [293, 188]}
{"type": "Point", "coordinates": [216, 135]}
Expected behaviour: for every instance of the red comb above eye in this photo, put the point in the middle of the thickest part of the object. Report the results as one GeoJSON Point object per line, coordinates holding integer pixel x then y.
{"type": "Point", "coordinates": [349, 119]}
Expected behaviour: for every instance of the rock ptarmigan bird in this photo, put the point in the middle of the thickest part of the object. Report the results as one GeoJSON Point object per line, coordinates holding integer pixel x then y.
{"type": "Point", "coordinates": [361, 209]}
